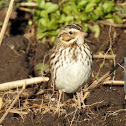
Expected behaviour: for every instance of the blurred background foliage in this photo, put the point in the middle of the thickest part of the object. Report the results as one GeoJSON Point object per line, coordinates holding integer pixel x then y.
{"type": "Point", "coordinates": [49, 17]}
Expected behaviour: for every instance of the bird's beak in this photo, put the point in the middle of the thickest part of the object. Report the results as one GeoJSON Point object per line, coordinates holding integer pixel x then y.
{"type": "Point", "coordinates": [80, 37]}
{"type": "Point", "coordinates": [82, 34]}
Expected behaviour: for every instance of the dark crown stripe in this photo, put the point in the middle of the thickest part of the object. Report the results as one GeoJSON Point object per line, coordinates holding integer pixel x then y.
{"type": "Point", "coordinates": [75, 26]}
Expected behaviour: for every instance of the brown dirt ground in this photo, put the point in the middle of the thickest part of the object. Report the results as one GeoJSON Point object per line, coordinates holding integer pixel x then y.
{"type": "Point", "coordinates": [18, 63]}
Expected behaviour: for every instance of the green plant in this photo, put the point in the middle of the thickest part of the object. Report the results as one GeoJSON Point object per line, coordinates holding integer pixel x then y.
{"type": "Point", "coordinates": [49, 16]}
{"type": "Point", "coordinates": [1, 23]}
{"type": "Point", "coordinates": [121, 10]}
{"type": "Point", "coordinates": [42, 68]}
{"type": "Point", "coordinates": [1, 2]}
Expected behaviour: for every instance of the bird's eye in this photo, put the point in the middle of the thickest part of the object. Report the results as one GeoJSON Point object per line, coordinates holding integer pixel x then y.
{"type": "Point", "coordinates": [70, 32]}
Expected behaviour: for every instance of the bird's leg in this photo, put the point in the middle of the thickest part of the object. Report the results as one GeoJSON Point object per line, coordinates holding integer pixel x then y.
{"type": "Point", "coordinates": [58, 104]}
{"type": "Point", "coordinates": [80, 100]}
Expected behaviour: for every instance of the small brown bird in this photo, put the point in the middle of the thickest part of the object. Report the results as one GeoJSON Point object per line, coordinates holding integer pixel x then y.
{"type": "Point", "coordinates": [71, 61]}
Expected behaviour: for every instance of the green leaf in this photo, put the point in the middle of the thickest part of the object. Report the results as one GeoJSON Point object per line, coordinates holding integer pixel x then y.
{"type": "Point", "coordinates": [54, 33]}
{"type": "Point", "coordinates": [99, 11]}
{"type": "Point", "coordinates": [50, 7]}
{"type": "Point", "coordinates": [85, 28]}
{"type": "Point", "coordinates": [44, 14]}
{"type": "Point", "coordinates": [94, 16]}
{"type": "Point", "coordinates": [67, 10]}
{"type": "Point", "coordinates": [110, 20]}
{"type": "Point", "coordinates": [108, 6]}
{"type": "Point", "coordinates": [102, 52]}
{"type": "Point", "coordinates": [64, 18]}
{"type": "Point", "coordinates": [55, 15]}
{"type": "Point", "coordinates": [1, 23]}
{"type": "Point", "coordinates": [52, 25]}
{"type": "Point", "coordinates": [97, 30]}
{"type": "Point", "coordinates": [40, 34]}
{"type": "Point", "coordinates": [82, 4]}
{"type": "Point", "coordinates": [37, 14]}
{"type": "Point", "coordinates": [90, 7]}
{"type": "Point", "coordinates": [44, 22]}
{"type": "Point", "coordinates": [117, 19]}
{"type": "Point", "coordinates": [109, 16]}
{"type": "Point", "coordinates": [94, 1]}
{"type": "Point", "coordinates": [73, 6]}
{"type": "Point", "coordinates": [41, 68]}
{"type": "Point", "coordinates": [41, 3]}
{"type": "Point", "coordinates": [84, 17]}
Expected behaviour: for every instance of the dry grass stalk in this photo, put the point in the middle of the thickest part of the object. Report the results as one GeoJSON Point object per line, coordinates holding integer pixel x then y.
{"type": "Point", "coordinates": [112, 24]}
{"type": "Point", "coordinates": [18, 112]}
{"type": "Point", "coordinates": [26, 9]}
{"type": "Point", "coordinates": [31, 4]}
{"type": "Point", "coordinates": [116, 112]}
{"type": "Point", "coordinates": [111, 82]}
{"type": "Point", "coordinates": [121, 4]}
{"type": "Point", "coordinates": [101, 80]}
{"type": "Point", "coordinates": [6, 20]}
{"type": "Point", "coordinates": [1, 102]}
{"type": "Point", "coordinates": [104, 56]}
{"type": "Point", "coordinates": [20, 83]}
{"type": "Point", "coordinates": [12, 104]}
{"type": "Point", "coordinates": [71, 123]}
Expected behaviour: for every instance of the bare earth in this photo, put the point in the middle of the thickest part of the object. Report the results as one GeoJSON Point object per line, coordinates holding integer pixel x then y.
{"type": "Point", "coordinates": [105, 102]}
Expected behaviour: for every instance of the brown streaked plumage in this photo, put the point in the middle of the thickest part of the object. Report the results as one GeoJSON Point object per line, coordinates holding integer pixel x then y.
{"type": "Point", "coordinates": [71, 61]}
{"type": "Point", "coordinates": [71, 51]}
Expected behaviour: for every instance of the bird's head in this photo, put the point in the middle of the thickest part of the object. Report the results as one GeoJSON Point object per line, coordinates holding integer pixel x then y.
{"type": "Point", "coordinates": [71, 34]}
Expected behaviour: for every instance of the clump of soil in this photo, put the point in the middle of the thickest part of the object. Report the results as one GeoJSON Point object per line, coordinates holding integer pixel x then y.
{"type": "Point", "coordinates": [14, 60]}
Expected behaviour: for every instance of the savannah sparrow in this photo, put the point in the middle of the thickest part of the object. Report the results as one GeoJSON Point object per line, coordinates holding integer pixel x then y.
{"type": "Point", "coordinates": [71, 61]}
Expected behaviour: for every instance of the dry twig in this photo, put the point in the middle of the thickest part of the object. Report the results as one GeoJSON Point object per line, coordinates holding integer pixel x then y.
{"type": "Point", "coordinates": [116, 112]}
{"type": "Point", "coordinates": [112, 24]}
{"type": "Point", "coordinates": [73, 117]}
{"type": "Point", "coordinates": [20, 83]}
{"type": "Point", "coordinates": [104, 56]}
{"type": "Point", "coordinates": [26, 9]}
{"type": "Point", "coordinates": [31, 4]}
{"type": "Point", "coordinates": [18, 112]}
{"type": "Point", "coordinates": [6, 20]}
{"type": "Point", "coordinates": [101, 80]}
{"type": "Point", "coordinates": [111, 82]}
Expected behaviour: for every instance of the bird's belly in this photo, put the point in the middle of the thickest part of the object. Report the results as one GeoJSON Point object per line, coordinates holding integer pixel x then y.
{"type": "Point", "coordinates": [70, 77]}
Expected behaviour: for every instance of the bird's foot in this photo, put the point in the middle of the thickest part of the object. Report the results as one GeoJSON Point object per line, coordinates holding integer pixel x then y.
{"type": "Point", "coordinates": [80, 101]}
{"type": "Point", "coordinates": [58, 104]}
